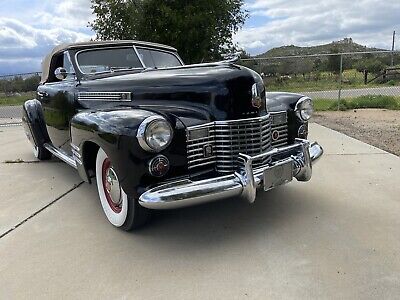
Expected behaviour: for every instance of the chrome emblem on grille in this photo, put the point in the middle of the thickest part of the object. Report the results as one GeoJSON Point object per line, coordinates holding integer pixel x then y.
{"type": "Point", "coordinates": [275, 135]}
{"type": "Point", "coordinates": [256, 100]}
{"type": "Point", "coordinates": [208, 151]}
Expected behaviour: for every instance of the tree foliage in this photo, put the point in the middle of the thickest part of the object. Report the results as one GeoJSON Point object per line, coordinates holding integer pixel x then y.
{"type": "Point", "coordinates": [372, 65]}
{"type": "Point", "coordinates": [19, 84]}
{"type": "Point", "coordinates": [201, 30]}
{"type": "Point", "coordinates": [333, 64]}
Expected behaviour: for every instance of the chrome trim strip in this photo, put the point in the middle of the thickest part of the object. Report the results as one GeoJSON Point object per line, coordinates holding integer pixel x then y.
{"type": "Point", "coordinates": [75, 147]}
{"type": "Point", "coordinates": [105, 96]}
{"type": "Point", "coordinates": [251, 120]}
{"type": "Point", "coordinates": [244, 184]}
{"type": "Point", "coordinates": [138, 55]}
{"type": "Point", "coordinates": [61, 155]}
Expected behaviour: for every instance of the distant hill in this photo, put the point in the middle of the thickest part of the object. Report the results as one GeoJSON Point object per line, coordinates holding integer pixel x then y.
{"type": "Point", "coordinates": [345, 45]}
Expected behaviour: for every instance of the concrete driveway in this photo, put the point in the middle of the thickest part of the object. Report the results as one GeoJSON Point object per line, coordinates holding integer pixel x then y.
{"type": "Point", "coordinates": [337, 237]}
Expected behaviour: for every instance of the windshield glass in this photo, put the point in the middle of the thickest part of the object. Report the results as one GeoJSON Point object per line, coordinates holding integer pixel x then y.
{"type": "Point", "coordinates": [153, 58]}
{"type": "Point", "coordinates": [103, 60]}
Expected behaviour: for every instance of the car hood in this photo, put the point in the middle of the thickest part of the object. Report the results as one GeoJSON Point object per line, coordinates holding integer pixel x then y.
{"type": "Point", "coordinates": [211, 91]}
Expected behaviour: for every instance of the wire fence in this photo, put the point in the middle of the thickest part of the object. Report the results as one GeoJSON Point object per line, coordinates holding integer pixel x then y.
{"type": "Point", "coordinates": [329, 76]}
{"type": "Point", "coordinates": [332, 76]}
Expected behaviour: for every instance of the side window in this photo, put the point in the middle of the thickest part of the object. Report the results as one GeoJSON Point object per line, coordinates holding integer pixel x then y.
{"type": "Point", "coordinates": [67, 65]}
{"type": "Point", "coordinates": [145, 55]}
{"type": "Point", "coordinates": [158, 59]}
{"type": "Point", "coordinates": [62, 60]}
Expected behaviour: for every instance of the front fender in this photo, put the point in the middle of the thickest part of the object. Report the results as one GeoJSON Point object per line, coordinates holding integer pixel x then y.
{"type": "Point", "coordinates": [283, 101]}
{"type": "Point", "coordinates": [115, 132]}
{"type": "Point", "coordinates": [34, 123]}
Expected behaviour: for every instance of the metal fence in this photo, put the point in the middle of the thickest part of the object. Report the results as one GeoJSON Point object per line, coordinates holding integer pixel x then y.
{"type": "Point", "coordinates": [14, 90]}
{"type": "Point", "coordinates": [332, 76]}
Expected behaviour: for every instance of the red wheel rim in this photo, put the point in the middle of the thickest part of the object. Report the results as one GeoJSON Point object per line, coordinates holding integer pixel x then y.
{"type": "Point", "coordinates": [105, 169]}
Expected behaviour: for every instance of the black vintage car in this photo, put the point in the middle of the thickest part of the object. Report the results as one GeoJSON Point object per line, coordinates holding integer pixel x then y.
{"type": "Point", "coordinates": [154, 133]}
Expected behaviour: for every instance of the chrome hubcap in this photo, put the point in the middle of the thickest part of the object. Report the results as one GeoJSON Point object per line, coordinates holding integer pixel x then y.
{"type": "Point", "coordinates": [112, 187]}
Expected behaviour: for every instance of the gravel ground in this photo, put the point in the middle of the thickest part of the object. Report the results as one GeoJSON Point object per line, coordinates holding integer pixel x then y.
{"type": "Point", "coordinates": [378, 127]}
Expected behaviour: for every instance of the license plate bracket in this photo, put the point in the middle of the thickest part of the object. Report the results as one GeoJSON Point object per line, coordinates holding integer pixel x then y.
{"type": "Point", "coordinates": [277, 175]}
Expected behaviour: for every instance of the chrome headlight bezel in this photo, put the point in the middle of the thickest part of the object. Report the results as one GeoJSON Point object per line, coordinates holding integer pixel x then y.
{"type": "Point", "coordinates": [304, 109]}
{"type": "Point", "coordinates": [144, 133]}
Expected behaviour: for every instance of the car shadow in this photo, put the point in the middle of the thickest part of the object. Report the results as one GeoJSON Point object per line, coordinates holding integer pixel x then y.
{"type": "Point", "coordinates": [228, 221]}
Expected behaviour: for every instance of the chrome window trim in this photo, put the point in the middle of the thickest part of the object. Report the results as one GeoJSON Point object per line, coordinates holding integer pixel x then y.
{"type": "Point", "coordinates": [104, 48]}
{"type": "Point", "coordinates": [138, 55]}
{"type": "Point", "coordinates": [141, 133]}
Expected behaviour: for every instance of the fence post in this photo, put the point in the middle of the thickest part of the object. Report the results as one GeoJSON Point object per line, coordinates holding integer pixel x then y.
{"type": "Point", "coordinates": [340, 81]}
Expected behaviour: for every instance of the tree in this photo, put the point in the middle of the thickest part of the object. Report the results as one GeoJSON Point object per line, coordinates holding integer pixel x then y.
{"type": "Point", "coordinates": [200, 30]}
{"type": "Point", "coordinates": [334, 61]}
{"type": "Point", "coordinates": [371, 65]}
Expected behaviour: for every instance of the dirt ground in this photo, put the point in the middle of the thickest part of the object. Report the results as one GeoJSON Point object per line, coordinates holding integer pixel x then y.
{"type": "Point", "coordinates": [377, 127]}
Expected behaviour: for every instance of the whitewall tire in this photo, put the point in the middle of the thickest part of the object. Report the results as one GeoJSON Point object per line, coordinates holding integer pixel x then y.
{"type": "Point", "coordinates": [120, 210]}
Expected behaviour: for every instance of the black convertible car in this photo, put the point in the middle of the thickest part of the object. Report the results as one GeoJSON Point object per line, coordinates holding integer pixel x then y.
{"type": "Point", "coordinates": [157, 134]}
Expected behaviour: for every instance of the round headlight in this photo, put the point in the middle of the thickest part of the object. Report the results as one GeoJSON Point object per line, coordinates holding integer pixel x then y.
{"type": "Point", "coordinates": [154, 134]}
{"type": "Point", "coordinates": [304, 109]}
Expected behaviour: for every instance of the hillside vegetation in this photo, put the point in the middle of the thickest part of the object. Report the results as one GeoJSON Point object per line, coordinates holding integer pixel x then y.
{"type": "Point", "coordinates": [345, 45]}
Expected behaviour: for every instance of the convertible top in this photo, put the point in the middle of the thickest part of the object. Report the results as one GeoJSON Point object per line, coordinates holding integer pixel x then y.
{"type": "Point", "coordinates": [93, 44]}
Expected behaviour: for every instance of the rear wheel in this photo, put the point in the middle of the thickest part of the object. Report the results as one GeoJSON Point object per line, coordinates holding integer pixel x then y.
{"type": "Point", "coordinates": [121, 210]}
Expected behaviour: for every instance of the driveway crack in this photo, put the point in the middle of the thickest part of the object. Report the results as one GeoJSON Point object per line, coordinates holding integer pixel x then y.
{"type": "Point", "coordinates": [41, 209]}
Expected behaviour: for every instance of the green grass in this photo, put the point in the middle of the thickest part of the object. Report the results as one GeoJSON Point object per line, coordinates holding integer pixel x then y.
{"type": "Point", "coordinates": [384, 102]}
{"type": "Point", "coordinates": [15, 100]}
{"type": "Point", "coordinates": [322, 81]}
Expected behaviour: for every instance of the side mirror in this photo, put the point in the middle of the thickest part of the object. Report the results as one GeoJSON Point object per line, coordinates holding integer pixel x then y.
{"type": "Point", "coordinates": [60, 73]}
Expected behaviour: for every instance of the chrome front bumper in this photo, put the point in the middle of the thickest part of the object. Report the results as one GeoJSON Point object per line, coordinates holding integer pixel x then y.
{"type": "Point", "coordinates": [183, 193]}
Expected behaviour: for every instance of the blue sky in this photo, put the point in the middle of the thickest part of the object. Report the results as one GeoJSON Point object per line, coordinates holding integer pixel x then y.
{"type": "Point", "coordinates": [30, 28]}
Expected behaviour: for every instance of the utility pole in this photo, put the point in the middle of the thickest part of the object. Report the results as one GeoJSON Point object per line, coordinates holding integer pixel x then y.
{"type": "Point", "coordinates": [394, 36]}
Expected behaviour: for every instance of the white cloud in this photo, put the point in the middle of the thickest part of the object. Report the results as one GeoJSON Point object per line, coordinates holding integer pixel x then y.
{"type": "Point", "coordinates": [71, 14]}
{"type": "Point", "coordinates": [310, 22]}
{"type": "Point", "coordinates": [19, 42]}
{"type": "Point", "coordinates": [27, 35]}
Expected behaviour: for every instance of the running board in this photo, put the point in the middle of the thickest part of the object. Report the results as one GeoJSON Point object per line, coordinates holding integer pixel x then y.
{"type": "Point", "coordinates": [61, 155]}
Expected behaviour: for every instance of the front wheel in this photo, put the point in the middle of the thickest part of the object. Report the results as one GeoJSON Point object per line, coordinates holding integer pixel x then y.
{"type": "Point", "coordinates": [121, 210]}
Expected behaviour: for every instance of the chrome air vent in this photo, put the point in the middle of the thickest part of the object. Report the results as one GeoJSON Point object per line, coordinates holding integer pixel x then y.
{"type": "Point", "coordinates": [104, 96]}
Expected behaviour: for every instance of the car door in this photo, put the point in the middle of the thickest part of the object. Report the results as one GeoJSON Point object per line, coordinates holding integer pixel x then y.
{"type": "Point", "coordinates": [58, 103]}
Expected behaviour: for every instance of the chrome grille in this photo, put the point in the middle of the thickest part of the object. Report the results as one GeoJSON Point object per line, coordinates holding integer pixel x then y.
{"type": "Point", "coordinates": [229, 138]}
{"type": "Point", "coordinates": [279, 125]}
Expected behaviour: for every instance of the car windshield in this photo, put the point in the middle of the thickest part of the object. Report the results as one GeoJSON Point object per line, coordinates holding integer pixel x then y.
{"type": "Point", "coordinates": [117, 59]}
{"type": "Point", "coordinates": [107, 60]}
